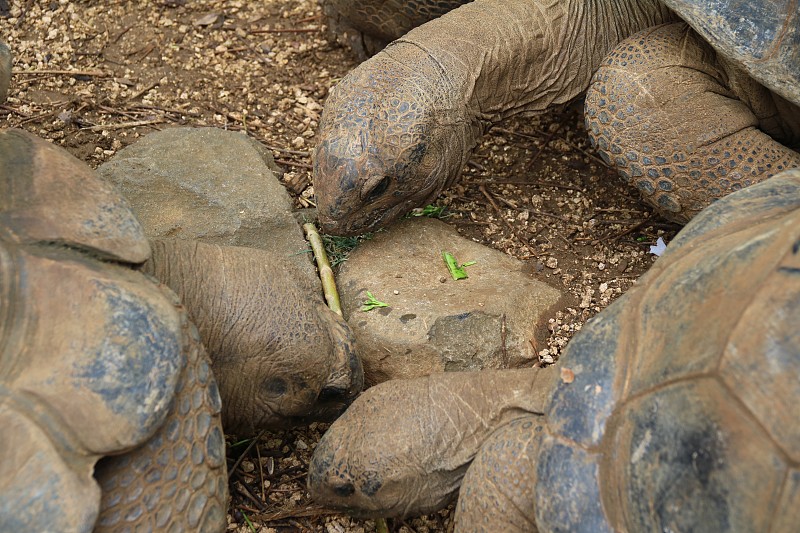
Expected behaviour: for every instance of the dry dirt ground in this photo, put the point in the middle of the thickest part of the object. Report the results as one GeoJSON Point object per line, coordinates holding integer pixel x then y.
{"type": "Point", "coordinates": [95, 76]}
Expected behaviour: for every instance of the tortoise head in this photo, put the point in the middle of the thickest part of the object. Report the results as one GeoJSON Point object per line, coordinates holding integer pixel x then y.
{"type": "Point", "coordinates": [306, 371]}
{"type": "Point", "coordinates": [389, 142]}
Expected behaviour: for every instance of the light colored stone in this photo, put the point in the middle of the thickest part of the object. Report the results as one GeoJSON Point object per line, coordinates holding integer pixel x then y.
{"type": "Point", "coordinates": [432, 326]}
{"type": "Point", "coordinates": [209, 184]}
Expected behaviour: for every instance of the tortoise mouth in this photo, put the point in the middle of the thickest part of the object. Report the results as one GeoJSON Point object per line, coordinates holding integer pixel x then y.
{"type": "Point", "coordinates": [372, 218]}
{"type": "Point", "coordinates": [324, 411]}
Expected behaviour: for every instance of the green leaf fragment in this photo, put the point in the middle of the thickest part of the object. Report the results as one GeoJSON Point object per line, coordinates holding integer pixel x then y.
{"type": "Point", "coordinates": [456, 271]}
{"type": "Point", "coordinates": [249, 523]}
{"type": "Point", "coordinates": [432, 211]}
{"type": "Point", "coordinates": [371, 303]}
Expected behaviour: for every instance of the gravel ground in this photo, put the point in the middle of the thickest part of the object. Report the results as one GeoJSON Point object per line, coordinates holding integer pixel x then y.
{"type": "Point", "coordinates": [94, 77]}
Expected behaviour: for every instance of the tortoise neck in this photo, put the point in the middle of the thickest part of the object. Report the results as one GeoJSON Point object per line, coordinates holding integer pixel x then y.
{"type": "Point", "coordinates": [508, 58]}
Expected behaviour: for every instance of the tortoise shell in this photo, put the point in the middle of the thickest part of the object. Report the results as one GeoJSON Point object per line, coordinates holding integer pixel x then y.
{"type": "Point", "coordinates": [762, 37]}
{"type": "Point", "coordinates": [683, 410]}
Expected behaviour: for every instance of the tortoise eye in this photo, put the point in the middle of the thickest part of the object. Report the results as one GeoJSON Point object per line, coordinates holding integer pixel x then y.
{"type": "Point", "coordinates": [379, 189]}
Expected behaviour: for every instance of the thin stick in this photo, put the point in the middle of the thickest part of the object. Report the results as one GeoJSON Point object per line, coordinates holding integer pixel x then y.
{"type": "Point", "coordinates": [245, 491]}
{"type": "Point", "coordinates": [535, 182]}
{"type": "Point", "coordinates": [40, 117]}
{"type": "Point", "coordinates": [503, 334]}
{"type": "Point", "coordinates": [122, 125]}
{"type": "Point", "coordinates": [551, 215]}
{"type": "Point", "coordinates": [165, 109]}
{"type": "Point", "coordinates": [500, 215]}
{"type": "Point", "coordinates": [245, 452]}
{"type": "Point", "coordinates": [293, 163]}
{"type": "Point", "coordinates": [571, 144]}
{"type": "Point", "coordinates": [287, 151]}
{"type": "Point", "coordinates": [261, 473]}
{"type": "Point", "coordinates": [537, 137]}
{"type": "Point", "coordinates": [140, 92]}
{"type": "Point", "coordinates": [288, 513]}
{"type": "Point", "coordinates": [324, 267]}
{"type": "Point", "coordinates": [308, 19]}
{"type": "Point", "coordinates": [98, 73]}
{"type": "Point", "coordinates": [286, 30]}
{"type": "Point", "coordinates": [544, 145]}
{"type": "Point", "coordinates": [629, 230]}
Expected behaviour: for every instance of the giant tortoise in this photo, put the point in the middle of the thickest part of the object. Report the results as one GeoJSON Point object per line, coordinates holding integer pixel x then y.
{"type": "Point", "coordinates": [109, 405]}
{"type": "Point", "coordinates": [684, 121]}
{"type": "Point", "coordinates": [677, 408]}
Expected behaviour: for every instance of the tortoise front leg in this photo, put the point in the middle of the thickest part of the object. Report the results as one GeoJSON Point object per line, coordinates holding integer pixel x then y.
{"type": "Point", "coordinates": [682, 125]}
{"type": "Point", "coordinates": [498, 490]}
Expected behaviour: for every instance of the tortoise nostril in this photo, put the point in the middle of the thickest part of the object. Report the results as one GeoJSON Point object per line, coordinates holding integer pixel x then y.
{"type": "Point", "coordinates": [379, 189]}
{"type": "Point", "coordinates": [344, 490]}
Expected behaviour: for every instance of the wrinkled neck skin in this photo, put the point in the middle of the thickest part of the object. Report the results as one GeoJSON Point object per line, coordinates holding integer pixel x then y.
{"type": "Point", "coordinates": [400, 127]}
{"type": "Point", "coordinates": [526, 57]}
{"type": "Point", "coordinates": [403, 447]}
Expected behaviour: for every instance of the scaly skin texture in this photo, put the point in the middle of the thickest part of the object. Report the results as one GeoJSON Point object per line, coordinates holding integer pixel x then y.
{"type": "Point", "coordinates": [179, 474]}
{"type": "Point", "coordinates": [684, 126]}
{"type": "Point", "coordinates": [400, 127]}
{"type": "Point", "coordinates": [675, 409]}
{"type": "Point", "coordinates": [280, 355]}
{"type": "Point", "coordinates": [761, 37]}
{"type": "Point", "coordinates": [498, 490]}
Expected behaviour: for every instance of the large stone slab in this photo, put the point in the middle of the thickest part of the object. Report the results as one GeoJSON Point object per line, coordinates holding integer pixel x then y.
{"type": "Point", "coordinates": [434, 323]}
{"type": "Point", "coordinates": [209, 184]}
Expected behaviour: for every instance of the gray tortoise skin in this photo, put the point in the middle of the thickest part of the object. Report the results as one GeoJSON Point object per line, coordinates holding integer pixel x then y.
{"type": "Point", "coordinates": [686, 113]}
{"type": "Point", "coordinates": [675, 409]}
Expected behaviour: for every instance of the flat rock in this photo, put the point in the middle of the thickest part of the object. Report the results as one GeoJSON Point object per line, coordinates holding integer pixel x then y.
{"type": "Point", "coordinates": [433, 323]}
{"type": "Point", "coordinates": [209, 184]}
